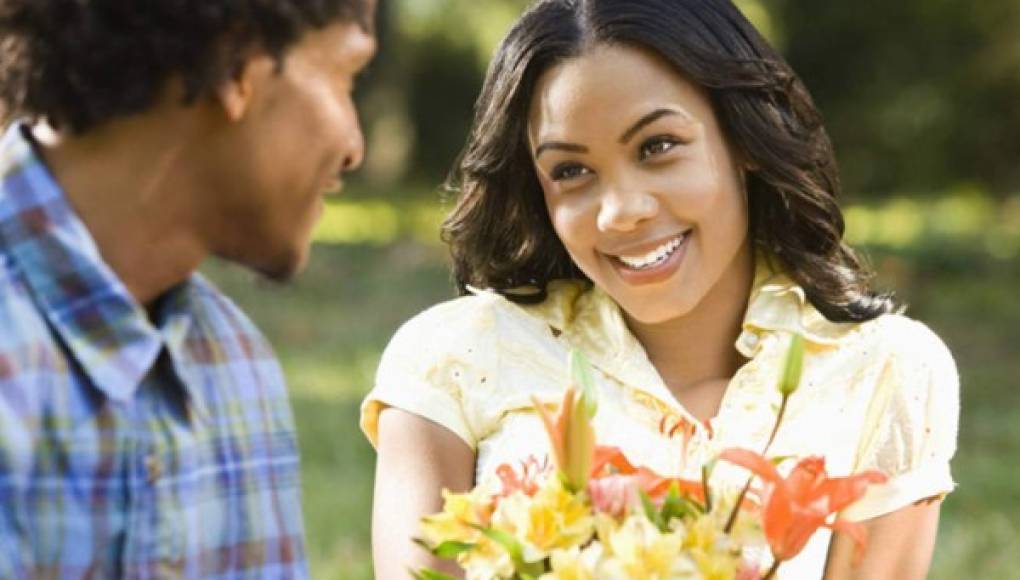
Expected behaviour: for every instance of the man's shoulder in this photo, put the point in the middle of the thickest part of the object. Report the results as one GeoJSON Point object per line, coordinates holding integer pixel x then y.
{"type": "Point", "coordinates": [21, 320]}
{"type": "Point", "coordinates": [28, 346]}
{"type": "Point", "coordinates": [221, 317]}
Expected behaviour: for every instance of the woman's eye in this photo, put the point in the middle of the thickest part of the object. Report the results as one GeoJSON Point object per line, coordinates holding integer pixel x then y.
{"type": "Point", "coordinates": [565, 171]}
{"type": "Point", "coordinates": [657, 146]}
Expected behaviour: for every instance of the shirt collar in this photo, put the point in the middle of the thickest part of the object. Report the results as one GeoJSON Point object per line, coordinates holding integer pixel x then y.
{"type": "Point", "coordinates": [594, 323]}
{"type": "Point", "coordinates": [778, 304]}
{"type": "Point", "coordinates": [106, 331]}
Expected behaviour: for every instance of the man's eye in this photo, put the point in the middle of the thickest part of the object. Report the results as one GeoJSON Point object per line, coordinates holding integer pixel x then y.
{"type": "Point", "coordinates": [657, 146]}
{"type": "Point", "coordinates": [565, 171]}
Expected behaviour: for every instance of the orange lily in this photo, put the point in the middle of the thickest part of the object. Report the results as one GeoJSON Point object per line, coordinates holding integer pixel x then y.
{"type": "Point", "coordinates": [795, 507]}
{"type": "Point", "coordinates": [611, 461]}
{"type": "Point", "coordinates": [570, 432]}
{"type": "Point", "coordinates": [529, 480]}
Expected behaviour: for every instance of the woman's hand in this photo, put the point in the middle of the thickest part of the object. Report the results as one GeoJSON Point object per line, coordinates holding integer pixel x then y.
{"type": "Point", "coordinates": [900, 546]}
{"type": "Point", "coordinates": [416, 460]}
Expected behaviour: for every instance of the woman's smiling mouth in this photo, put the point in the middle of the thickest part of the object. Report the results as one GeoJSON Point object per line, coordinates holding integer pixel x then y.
{"type": "Point", "coordinates": [653, 266]}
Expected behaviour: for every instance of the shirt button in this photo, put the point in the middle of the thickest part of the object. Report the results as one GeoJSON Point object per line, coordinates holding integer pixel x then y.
{"type": "Point", "coordinates": [153, 468]}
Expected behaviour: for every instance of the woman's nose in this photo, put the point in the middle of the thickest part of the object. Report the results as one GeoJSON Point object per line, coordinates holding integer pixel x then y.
{"type": "Point", "coordinates": [622, 210]}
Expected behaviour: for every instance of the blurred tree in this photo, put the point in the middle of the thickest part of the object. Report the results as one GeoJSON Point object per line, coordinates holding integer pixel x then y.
{"type": "Point", "coordinates": [918, 94]}
{"type": "Point", "coordinates": [419, 99]}
{"type": "Point", "coordinates": [442, 88]}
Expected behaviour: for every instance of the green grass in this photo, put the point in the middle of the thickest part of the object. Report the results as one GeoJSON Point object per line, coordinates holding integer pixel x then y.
{"type": "Point", "coordinates": [330, 325]}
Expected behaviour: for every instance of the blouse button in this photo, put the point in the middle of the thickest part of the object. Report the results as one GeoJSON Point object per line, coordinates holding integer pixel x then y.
{"type": "Point", "coordinates": [748, 340]}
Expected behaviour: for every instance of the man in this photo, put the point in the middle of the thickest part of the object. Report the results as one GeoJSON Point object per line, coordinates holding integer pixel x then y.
{"type": "Point", "coordinates": [144, 426]}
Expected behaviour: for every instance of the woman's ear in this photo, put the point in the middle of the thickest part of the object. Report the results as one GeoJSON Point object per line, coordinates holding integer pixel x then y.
{"type": "Point", "coordinates": [748, 165]}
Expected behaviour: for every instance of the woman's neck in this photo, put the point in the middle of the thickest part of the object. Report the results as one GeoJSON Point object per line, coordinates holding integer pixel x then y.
{"type": "Point", "coordinates": [698, 347]}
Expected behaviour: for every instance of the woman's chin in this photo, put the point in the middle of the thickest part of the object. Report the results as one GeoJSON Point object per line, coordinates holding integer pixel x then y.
{"type": "Point", "coordinates": [654, 311]}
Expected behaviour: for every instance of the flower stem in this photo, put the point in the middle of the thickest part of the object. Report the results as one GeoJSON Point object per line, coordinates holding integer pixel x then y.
{"type": "Point", "coordinates": [779, 420]}
{"type": "Point", "coordinates": [736, 507]}
{"type": "Point", "coordinates": [772, 571]}
{"type": "Point", "coordinates": [732, 520]}
{"type": "Point", "coordinates": [708, 491]}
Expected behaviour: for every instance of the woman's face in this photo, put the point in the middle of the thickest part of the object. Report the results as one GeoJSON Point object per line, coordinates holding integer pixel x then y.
{"type": "Point", "coordinates": [639, 181]}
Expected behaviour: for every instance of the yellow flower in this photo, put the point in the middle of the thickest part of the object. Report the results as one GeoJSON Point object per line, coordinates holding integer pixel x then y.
{"type": "Point", "coordinates": [714, 553]}
{"type": "Point", "coordinates": [701, 533]}
{"type": "Point", "coordinates": [552, 519]}
{"type": "Point", "coordinates": [637, 549]}
{"type": "Point", "coordinates": [456, 523]}
{"type": "Point", "coordinates": [487, 561]}
{"type": "Point", "coordinates": [461, 511]}
{"type": "Point", "coordinates": [573, 563]}
{"type": "Point", "coordinates": [716, 564]}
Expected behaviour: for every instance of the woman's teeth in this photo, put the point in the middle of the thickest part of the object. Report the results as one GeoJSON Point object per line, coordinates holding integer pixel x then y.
{"type": "Point", "coordinates": [655, 257]}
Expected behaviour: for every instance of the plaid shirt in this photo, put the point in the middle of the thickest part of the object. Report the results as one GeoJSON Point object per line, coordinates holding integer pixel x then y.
{"type": "Point", "coordinates": [130, 448]}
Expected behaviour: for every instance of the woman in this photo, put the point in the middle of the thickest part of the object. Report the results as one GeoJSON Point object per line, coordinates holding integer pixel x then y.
{"type": "Point", "coordinates": [649, 182]}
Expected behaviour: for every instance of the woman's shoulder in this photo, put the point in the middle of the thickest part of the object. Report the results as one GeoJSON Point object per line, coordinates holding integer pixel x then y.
{"type": "Point", "coordinates": [907, 341]}
{"type": "Point", "coordinates": [487, 313]}
{"type": "Point", "coordinates": [452, 363]}
{"type": "Point", "coordinates": [472, 311]}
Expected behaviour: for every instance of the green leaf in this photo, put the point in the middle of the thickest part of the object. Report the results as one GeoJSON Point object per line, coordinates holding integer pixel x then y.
{"type": "Point", "coordinates": [676, 506]}
{"type": "Point", "coordinates": [793, 366]}
{"type": "Point", "coordinates": [580, 373]}
{"type": "Point", "coordinates": [427, 574]}
{"type": "Point", "coordinates": [516, 551]}
{"type": "Point", "coordinates": [651, 511]}
{"type": "Point", "coordinates": [451, 549]}
{"type": "Point", "coordinates": [533, 571]}
{"type": "Point", "coordinates": [777, 460]}
{"type": "Point", "coordinates": [509, 543]}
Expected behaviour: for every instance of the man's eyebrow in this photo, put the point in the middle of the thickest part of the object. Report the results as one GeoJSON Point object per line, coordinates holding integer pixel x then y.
{"type": "Point", "coordinates": [559, 146]}
{"type": "Point", "coordinates": [645, 121]}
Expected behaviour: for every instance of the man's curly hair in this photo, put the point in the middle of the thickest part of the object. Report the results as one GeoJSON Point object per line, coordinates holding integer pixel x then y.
{"type": "Point", "coordinates": [79, 63]}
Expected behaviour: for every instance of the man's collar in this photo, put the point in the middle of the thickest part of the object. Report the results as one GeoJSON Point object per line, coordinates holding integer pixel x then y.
{"type": "Point", "coordinates": [98, 320]}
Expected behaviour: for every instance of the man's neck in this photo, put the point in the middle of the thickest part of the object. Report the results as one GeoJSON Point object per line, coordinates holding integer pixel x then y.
{"type": "Point", "coordinates": [128, 182]}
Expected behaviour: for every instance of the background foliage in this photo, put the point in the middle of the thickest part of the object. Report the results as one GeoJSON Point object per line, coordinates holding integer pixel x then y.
{"type": "Point", "coordinates": [922, 98]}
{"type": "Point", "coordinates": [919, 95]}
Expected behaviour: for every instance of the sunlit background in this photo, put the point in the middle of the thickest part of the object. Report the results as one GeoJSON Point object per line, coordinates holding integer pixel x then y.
{"type": "Point", "coordinates": [922, 99]}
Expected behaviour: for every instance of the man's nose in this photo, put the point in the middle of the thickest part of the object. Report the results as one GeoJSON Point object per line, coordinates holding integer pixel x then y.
{"type": "Point", "coordinates": [355, 148]}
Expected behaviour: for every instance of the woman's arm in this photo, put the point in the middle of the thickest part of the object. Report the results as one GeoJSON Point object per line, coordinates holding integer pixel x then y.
{"type": "Point", "coordinates": [416, 459]}
{"type": "Point", "coordinates": [900, 546]}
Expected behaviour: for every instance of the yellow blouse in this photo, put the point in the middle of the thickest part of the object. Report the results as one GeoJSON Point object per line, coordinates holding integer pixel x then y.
{"type": "Point", "coordinates": [883, 394]}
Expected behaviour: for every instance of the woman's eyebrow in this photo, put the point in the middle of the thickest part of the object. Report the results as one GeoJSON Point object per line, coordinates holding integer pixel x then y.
{"type": "Point", "coordinates": [645, 121]}
{"type": "Point", "coordinates": [627, 135]}
{"type": "Point", "coordinates": [561, 146]}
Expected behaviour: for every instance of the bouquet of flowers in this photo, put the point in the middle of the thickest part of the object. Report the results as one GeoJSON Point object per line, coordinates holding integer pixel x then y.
{"type": "Point", "coordinates": [592, 514]}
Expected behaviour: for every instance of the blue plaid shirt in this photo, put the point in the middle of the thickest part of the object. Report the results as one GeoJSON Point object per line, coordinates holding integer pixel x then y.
{"type": "Point", "coordinates": [128, 447]}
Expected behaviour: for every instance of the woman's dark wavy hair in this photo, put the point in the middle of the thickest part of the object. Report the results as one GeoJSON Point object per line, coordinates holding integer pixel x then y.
{"type": "Point", "coordinates": [79, 63]}
{"type": "Point", "coordinates": [499, 232]}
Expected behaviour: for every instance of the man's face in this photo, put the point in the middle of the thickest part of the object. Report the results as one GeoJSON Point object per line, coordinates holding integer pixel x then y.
{"type": "Point", "coordinates": [296, 134]}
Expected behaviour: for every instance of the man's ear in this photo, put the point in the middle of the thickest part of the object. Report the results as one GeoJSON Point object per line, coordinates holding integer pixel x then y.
{"type": "Point", "coordinates": [237, 93]}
